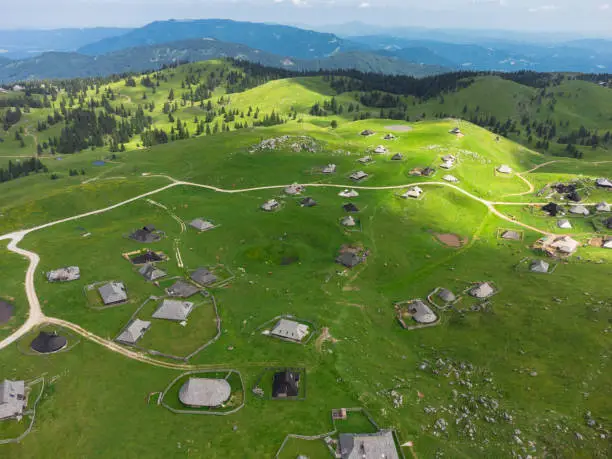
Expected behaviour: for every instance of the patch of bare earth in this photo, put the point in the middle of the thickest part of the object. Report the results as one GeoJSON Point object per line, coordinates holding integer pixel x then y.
{"type": "Point", "coordinates": [324, 336]}
{"type": "Point", "coordinates": [451, 240]}
{"type": "Point", "coordinates": [399, 128]}
{"type": "Point", "coordinates": [596, 242]}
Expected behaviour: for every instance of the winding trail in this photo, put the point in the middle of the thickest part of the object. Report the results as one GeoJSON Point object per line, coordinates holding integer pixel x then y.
{"type": "Point", "coordinates": [547, 163]}
{"type": "Point", "coordinates": [36, 316]}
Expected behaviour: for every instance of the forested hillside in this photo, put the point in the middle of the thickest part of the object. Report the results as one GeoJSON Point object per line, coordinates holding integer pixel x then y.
{"type": "Point", "coordinates": [552, 113]}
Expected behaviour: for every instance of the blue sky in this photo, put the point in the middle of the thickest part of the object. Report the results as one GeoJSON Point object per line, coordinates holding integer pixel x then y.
{"type": "Point", "coordinates": [591, 17]}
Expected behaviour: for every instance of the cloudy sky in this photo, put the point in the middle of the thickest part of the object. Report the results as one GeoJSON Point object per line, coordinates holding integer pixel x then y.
{"type": "Point", "coordinates": [591, 17]}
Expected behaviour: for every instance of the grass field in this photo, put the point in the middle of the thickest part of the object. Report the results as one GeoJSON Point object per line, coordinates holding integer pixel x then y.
{"type": "Point", "coordinates": [535, 359]}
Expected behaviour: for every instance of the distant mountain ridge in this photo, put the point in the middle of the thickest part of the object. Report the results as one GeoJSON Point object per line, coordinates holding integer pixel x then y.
{"type": "Point", "coordinates": [70, 65]}
{"type": "Point", "coordinates": [585, 56]}
{"type": "Point", "coordinates": [22, 43]}
{"type": "Point", "coordinates": [276, 39]}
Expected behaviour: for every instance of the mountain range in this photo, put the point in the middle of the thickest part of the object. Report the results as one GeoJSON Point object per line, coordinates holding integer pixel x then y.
{"type": "Point", "coordinates": [417, 52]}
{"type": "Point", "coordinates": [68, 65]}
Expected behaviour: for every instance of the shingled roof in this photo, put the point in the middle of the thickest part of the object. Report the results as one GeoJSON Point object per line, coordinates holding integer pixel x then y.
{"type": "Point", "coordinates": [151, 272]}
{"type": "Point", "coordinates": [422, 313]}
{"type": "Point", "coordinates": [482, 290]}
{"type": "Point", "coordinates": [173, 310]}
{"type": "Point", "coordinates": [182, 289]}
{"type": "Point", "coordinates": [12, 398]}
{"type": "Point", "coordinates": [201, 225]}
{"type": "Point", "coordinates": [204, 277]}
{"type": "Point", "coordinates": [379, 445]}
{"type": "Point", "coordinates": [113, 293]}
{"type": "Point", "coordinates": [200, 392]}
{"type": "Point", "coordinates": [290, 329]}
{"type": "Point", "coordinates": [134, 331]}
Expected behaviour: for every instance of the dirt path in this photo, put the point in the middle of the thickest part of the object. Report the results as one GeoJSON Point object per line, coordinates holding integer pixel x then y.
{"type": "Point", "coordinates": [324, 336]}
{"type": "Point", "coordinates": [35, 314]}
{"type": "Point", "coordinates": [530, 185]}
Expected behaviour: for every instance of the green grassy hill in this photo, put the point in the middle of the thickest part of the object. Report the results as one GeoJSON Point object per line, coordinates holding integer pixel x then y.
{"type": "Point", "coordinates": [516, 375]}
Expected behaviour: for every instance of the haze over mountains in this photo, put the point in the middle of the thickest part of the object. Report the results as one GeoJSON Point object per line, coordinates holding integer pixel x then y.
{"type": "Point", "coordinates": [69, 53]}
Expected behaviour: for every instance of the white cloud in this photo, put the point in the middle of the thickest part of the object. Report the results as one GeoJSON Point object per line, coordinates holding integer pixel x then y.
{"type": "Point", "coordinates": [299, 2]}
{"type": "Point", "coordinates": [364, 5]}
{"type": "Point", "coordinates": [604, 6]}
{"type": "Point", "coordinates": [543, 8]}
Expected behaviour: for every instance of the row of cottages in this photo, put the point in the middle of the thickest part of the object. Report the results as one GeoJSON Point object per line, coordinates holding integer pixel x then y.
{"type": "Point", "coordinates": [170, 309]}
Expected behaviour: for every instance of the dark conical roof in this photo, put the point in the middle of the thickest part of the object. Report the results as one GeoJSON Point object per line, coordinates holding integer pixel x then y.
{"type": "Point", "coordinates": [45, 343]}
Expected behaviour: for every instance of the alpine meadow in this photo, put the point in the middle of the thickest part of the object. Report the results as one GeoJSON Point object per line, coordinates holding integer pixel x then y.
{"type": "Point", "coordinates": [224, 259]}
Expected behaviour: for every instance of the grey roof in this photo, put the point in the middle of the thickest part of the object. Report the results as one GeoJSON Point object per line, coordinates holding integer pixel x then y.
{"type": "Point", "coordinates": [349, 259]}
{"type": "Point", "coordinates": [397, 157]}
{"type": "Point", "coordinates": [379, 445]}
{"type": "Point", "coordinates": [603, 207]}
{"type": "Point", "coordinates": [270, 205]}
{"type": "Point", "coordinates": [450, 178]}
{"type": "Point", "coordinates": [511, 235]}
{"type": "Point", "coordinates": [348, 221]}
{"type": "Point", "coordinates": [564, 244]}
{"type": "Point", "coordinates": [134, 331]}
{"type": "Point", "coordinates": [69, 273]}
{"type": "Point", "coordinates": [151, 272]}
{"type": "Point", "coordinates": [201, 225]}
{"type": "Point", "coordinates": [579, 210]}
{"type": "Point", "coordinates": [448, 157]}
{"type": "Point", "coordinates": [564, 224]}
{"type": "Point", "coordinates": [173, 310]}
{"type": "Point", "coordinates": [504, 169]}
{"type": "Point", "coordinates": [198, 392]}
{"type": "Point", "coordinates": [329, 169]}
{"type": "Point", "coordinates": [203, 277]}
{"type": "Point", "coordinates": [290, 329]}
{"type": "Point", "coordinates": [539, 266]}
{"type": "Point", "coordinates": [182, 288]}
{"type": "Point", "coordinates": [308, 202]}
{"type": "Point", "coordinates": [446, 295]}
{"type": "Point", "coordinates": [422, 313]}
{"type": "Point", "coordinates": [604, 182]}
{"type": "Point", "coordinates": [113, 292]}
{"type": "Point", "coordinates": [12, 398]}
{"type": "Point", "coordinates": [145, 234]}
{"type": "Point", "coordinates": [483, 290]}
{"type": "Point", "coordinates": [359, 175]}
